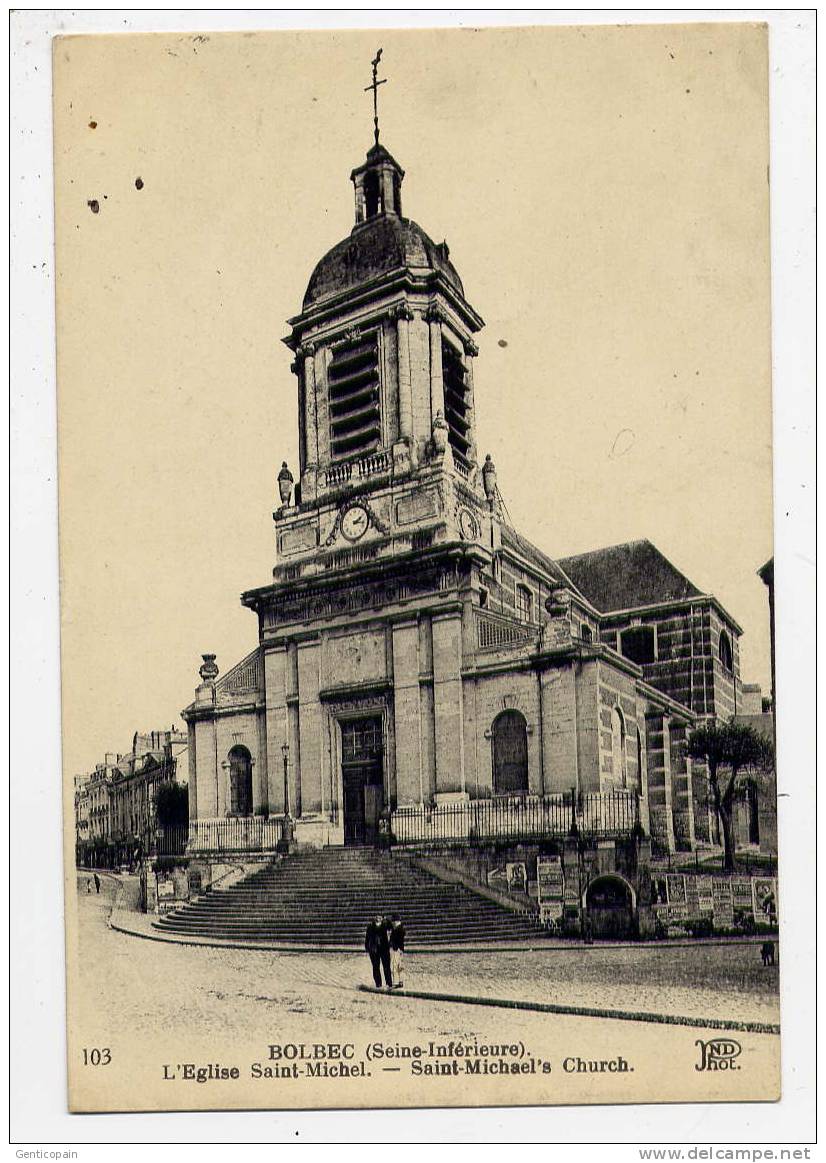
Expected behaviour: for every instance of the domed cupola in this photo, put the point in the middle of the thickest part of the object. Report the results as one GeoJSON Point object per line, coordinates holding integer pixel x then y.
{"type": "Point", "coordinates": [381, 239]}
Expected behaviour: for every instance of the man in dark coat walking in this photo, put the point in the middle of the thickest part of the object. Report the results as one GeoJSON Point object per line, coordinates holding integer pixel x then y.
{"type": "Point", "coordinates": [377, 944]}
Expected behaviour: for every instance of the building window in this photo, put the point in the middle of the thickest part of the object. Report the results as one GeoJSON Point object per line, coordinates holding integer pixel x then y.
{"type": "Point", "coordinates": [524, 604]}
{"type": "Point", "coordinates": [639, 643]}
{"type": "Point", "coordinates": [618, 747]}
{"type": "Point", "coordinates": [725, 651]}
{"type": "Point", "coordinates": [483, 598]}
{"type": "Point", "coordinates": [585, 633]}
{"type": "Point", "coordinates": [457, 403]}
{"type": "Point", "coordinates": [753, 809]}
{"type": "Point", "coordinates": [510, 753]}
{"type": "Point", "coordinates": [240, 782]}
{"type": "Point", "coordinates": [353, 387]}
{"type": "Point", "coordinates": [372, 194]}
{"type": "Point", "coordinates": [362, 740]}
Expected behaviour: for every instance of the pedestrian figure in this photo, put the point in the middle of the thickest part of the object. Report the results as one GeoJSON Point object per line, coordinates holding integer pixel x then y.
{"type": "Point", "coordinates": [767, 952]}
{"type": "Point", "coordinates": [88, 884]}
{"type": "Point", "coordinates": [396, 939]}
{"type": "Point", "coordinates": [97, 883]}
{"type": "Point", "coordinates": [378, 949]}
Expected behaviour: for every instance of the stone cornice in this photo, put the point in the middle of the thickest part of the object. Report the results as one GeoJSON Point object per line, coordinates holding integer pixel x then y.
{"type": "Point", "coordinates": [400, 279]}
{"type": "Point", "coordinates": [194, 714]}
{"type": "Point", "coordinates": [346, 691]}
{"type": "Point", "coordinates": [617, 616]}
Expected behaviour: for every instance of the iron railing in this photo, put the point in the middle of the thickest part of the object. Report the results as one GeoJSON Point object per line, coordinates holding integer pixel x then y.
{"type": "Point", "coordinates": [172, 841]}
{"type": "Point", "coordinates": [238, 834]}
{"type": "Point", "coordinates": [593, 814]}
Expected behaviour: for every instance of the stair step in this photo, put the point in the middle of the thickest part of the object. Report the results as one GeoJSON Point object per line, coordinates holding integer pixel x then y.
{"type": "Point", "coordinates": [327, 897]}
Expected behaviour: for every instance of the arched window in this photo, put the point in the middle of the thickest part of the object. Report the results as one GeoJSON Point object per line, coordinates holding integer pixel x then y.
{"type": "Point", "coordinates": [240, 782]}
{"type": "Point", "coordinates": [725, 651]}
{"type": "Point", "coordinates": [510, 753]}
{"type": "Point", "coordinates": [618, 747]}
{"type": "Point", "coordinates": [372, 193]}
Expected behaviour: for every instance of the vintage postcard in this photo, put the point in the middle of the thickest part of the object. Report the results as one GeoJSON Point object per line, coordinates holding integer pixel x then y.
{"type": "Point", "coordinates": [416, 567]}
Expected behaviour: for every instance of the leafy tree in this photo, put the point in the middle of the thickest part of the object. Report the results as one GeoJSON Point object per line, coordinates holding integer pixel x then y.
{"type": "Point", "coordinates": [729, 750]}
{"type": "Point", "coordinates": [171, 805]}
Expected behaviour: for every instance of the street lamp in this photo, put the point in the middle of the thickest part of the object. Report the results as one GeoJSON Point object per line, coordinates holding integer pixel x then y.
{"type": "Point", "coordinates": [285, 751]}
{"type": "Point", "coordinates": [287, 824]}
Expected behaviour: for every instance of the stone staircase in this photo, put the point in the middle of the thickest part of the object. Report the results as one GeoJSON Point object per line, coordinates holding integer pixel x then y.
{"type": "Point", "coordinates": [327, 897]}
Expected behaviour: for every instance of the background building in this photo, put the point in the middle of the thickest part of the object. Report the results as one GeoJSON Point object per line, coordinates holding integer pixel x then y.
{"type": "Point", "coordinates": [115, 818]}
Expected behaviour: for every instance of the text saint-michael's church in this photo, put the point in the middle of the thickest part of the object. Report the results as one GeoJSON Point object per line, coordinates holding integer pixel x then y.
{"type": "Point", "coordinates": [423, 672]}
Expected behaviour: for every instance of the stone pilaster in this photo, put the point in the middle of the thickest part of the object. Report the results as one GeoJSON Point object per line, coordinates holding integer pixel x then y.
{"type": "Point", "coordinates": [661, 818]}
{"type": "Point", "coordinates": [682, 798]}
{"type": "Point", "coordinates": [406, 713]}
{"type": "Point", "coordinates": [310, 726]}
{"type": "Point", "coordinates": [309, 418]}
{"type": "Point", "coordinates": [447, 684]}
{"type": "Point", "coordinates": [192, 772]}
{"type": "Point", "coordinates": [403, 318]}
{"type": "Point", "coordinates": [437, 387]}
{"type": "Point", "coordinates": [208, 773]}
{"type": "Point", "coordinates": [275, 683]}
{"type": "Point", "coordinates": [559, 742]}
{"type": "Point", "coordinates": [471, 351]}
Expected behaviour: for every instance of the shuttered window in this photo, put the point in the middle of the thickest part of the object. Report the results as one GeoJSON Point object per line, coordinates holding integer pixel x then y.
{"type": "Point", "coordinates": [355, 416]}
{"type": "Point", "coordinates": [454, 376]}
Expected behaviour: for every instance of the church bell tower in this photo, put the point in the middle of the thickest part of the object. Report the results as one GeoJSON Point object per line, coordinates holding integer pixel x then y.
{"type": "Point", "coordinates": [384, 355]}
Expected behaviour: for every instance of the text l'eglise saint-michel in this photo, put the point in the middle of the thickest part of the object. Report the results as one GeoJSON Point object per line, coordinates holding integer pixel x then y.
{"type": "Point", "coordinates": [427, 1059]}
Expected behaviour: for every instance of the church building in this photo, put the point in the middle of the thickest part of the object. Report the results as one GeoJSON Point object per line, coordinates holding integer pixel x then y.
{"type": "Point", "coordinates": [423, 673]}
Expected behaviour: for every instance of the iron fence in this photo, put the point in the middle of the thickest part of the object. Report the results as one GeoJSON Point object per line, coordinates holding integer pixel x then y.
{"type": "Point", "coordinates": [240, 834]}
{"type": "Point", "coordinates": [172, 841]}
{"type": "Point", "coordinates": [593, 814]}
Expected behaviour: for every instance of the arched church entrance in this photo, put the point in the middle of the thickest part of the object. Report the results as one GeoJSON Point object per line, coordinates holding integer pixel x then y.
{"type": "Point", "coordinates": [240, 782]}
{"type": "Point", "coordinates": [362, 769]}
{"type": "Point", "coordinates": [510, 753]}
{"type": "Point", "coordinates": [609, 901]}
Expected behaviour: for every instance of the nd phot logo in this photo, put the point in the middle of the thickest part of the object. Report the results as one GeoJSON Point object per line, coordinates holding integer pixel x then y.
{"type": "Point", "coordinates": [718, 1054]}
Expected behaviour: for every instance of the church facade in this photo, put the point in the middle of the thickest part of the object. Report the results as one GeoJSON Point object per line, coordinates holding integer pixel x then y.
{"type": "Point", "coordinates": [423, 673]}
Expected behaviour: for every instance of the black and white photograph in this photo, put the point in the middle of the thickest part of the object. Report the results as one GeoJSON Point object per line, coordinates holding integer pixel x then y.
{"type": "Point", "coordinates": [417, 607]}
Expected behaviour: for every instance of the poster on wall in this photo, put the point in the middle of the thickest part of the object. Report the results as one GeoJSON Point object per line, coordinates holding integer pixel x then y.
{"type": "Point", "coordinates": [722, 897]}
{"type": "Point", "coordinates": [764, 896]}
{"type": "Point", "coordinates": [517, 877]}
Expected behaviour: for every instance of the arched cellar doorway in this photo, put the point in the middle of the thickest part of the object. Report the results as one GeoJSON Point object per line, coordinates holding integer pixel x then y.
{"type": "Point", "coordinates": [240, 782]}
{"type": "Point", "coordinates": [510, 753]}
{"type": "Point", "coordinates": [609, 903]}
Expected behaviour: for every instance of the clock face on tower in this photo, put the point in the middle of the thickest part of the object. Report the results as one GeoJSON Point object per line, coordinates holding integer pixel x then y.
{"type": "Point", "coordinates": [467, 525]}
{"type": "Point", "coordinates": [354, 522]}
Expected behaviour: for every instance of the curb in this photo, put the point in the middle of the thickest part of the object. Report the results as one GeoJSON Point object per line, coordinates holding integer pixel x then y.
{"type": "Point", "coordinates": [581, 1011]}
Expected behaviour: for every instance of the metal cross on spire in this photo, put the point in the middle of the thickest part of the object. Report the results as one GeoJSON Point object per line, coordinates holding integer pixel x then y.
{"type": "Point", "coordinates": [374, 85]}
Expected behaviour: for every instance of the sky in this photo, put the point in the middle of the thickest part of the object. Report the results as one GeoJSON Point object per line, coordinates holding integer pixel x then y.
{"type": "Point", "coordinates": [604, 192]}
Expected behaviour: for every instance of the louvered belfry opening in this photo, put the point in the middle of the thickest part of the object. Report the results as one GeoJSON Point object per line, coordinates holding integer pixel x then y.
{"type": "Point", "coordinates": [355, 415]}
{"type": "Point", "coordinates": [457, 404]}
